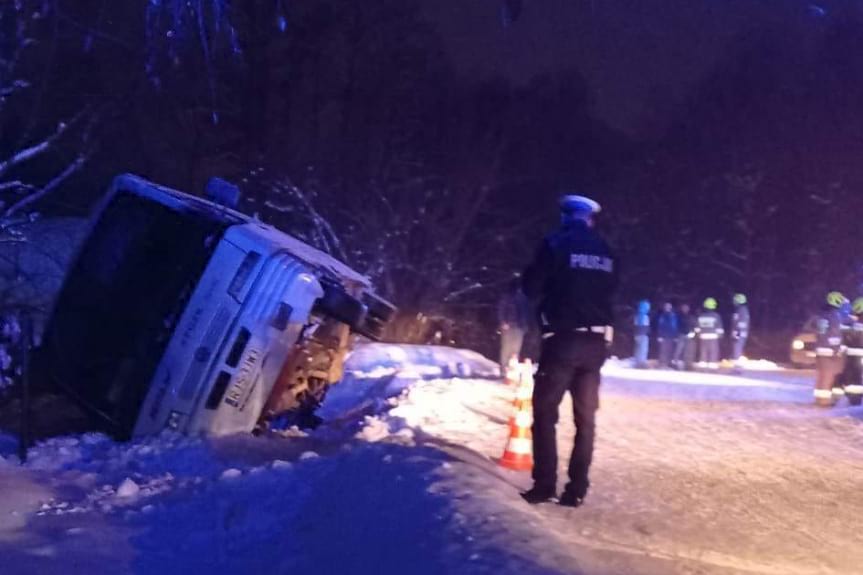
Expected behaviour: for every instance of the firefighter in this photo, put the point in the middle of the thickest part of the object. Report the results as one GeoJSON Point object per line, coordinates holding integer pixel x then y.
{"type": "Point", "coordinates": [684, 352]}
{"type": "Point", "coordinates": [571, 281]}
{"type": "Point", "coordinates": [828, 358]}
{"type": "Point", "coordinates": [739, 327]}
{"type": "Point", "coordinates": [641, 331]}
{"type": "Point", "coordinates": [850, 381]}
{"type": "Point", "coordinates": [709, 331]}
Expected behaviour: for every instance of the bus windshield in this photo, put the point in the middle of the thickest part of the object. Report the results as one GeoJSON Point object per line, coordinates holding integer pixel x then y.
{"type": "Point", "coordinates": [121, 302]}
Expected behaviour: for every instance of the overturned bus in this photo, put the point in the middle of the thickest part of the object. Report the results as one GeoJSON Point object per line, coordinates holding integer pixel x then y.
{"type": "Point", "coordinates": [179, 313]}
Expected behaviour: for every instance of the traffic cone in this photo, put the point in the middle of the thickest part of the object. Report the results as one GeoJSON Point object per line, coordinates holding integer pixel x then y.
{"type": "Point", "coordinates": [524, 391]}
{"type": "Point", "coordinates": [518, 454]}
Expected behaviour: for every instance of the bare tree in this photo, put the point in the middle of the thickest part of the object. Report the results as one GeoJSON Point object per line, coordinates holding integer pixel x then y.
{"type": "Point", "coordinates": [32, 163]}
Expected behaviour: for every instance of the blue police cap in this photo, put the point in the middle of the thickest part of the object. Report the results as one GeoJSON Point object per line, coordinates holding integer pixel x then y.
{"type": "Point", "coordinates": [570, 204]}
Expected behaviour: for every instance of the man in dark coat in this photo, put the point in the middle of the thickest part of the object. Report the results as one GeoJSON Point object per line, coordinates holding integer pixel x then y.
{"type": "Point", "coordinates": [570, 281]}
{"type": "Point", "coordinates": [684, 352]}
{"type": "Point", "coordinates": [667, 331]}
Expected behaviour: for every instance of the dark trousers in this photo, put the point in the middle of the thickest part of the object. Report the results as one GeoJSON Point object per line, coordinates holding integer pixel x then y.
{"type": "Point", "coordinates": [568, 362]}
{"type": "Point", "coordinates": [852, 372]}
{"type": "Point", "coordinates": [666, 351]}
{"type": "Point", "coordinates": [684, 352]}
{"type": "Point", "coordinates": [738, 346]}
{"type": "Point", "coordinates": [708, 351]}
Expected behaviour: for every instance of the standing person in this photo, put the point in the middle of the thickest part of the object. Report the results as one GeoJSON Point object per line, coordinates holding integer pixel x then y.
{"type": "Point", "coordinates": [641, 330]}
{"type": "Point", "coordinates": [514, 319]}
{"type": "Point", "coordinates": [667, 332]}
{"type": "Point", "coordinates": [852, 374]}
{"type": "Point", "coordinates": [739, 327]}
{"type": "Point", "coordinates": [709, 330]}
{"type": "Point", "coordinates": [571, 280]}
{"type": "Point", "coordinates": [828, 358]}
{"type": "Point", "coordinates": [684, 352]}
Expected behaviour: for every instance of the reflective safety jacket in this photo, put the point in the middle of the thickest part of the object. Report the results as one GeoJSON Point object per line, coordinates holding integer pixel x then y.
{"type": "Point", "coordinates": [709, 325]}
{"type": "Point", "coordinates": [740, 322]}
{"type": "Point", "coordinates": [852, 336]}
{"type": "Point", "coordinates": [828, 329]}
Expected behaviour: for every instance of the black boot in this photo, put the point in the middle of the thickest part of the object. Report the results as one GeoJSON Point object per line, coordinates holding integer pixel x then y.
{"type": "Point", "coordinates": [537, 495]}
{"type": "Point", "coordinates": [570, 499]}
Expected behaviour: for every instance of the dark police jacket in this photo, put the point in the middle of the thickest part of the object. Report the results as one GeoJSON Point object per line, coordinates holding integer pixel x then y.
{"type": "Point", "coordinates": [572, 279]}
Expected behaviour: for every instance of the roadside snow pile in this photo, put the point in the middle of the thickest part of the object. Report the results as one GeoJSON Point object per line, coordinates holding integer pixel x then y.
{"type": "Point", "coordinates": [376, 373]}
{"type": "Point", "coordinates": [375, 359]}
{"type": "Point", "coordinates": [468, 413]}
{"type": "Point", "coordinates": [758, 364]}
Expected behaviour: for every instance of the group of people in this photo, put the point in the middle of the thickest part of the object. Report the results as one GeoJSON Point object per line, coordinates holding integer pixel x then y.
{"type": "Point", "coordinates": [681, 335]}
{"type": "Point", "coordinates": [839, 351]}
{"type": "Point", "coordinates": [570, 284]}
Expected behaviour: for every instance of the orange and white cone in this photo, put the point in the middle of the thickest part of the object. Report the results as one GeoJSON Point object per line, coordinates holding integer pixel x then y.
{"type": "Point", "coordinates": [518, 454]}
{"type": "Point", "coordinates": [524, 391]}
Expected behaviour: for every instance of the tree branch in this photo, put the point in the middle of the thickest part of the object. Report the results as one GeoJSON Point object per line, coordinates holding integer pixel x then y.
{"type": "Point", "coordinates": [15, 185]}
{"type": "Point", "coordinates": [6, 91]}
{"type": "Point", "coordinates": [48, 188]}
{"type": "Point", "coordinates": [35, 150]}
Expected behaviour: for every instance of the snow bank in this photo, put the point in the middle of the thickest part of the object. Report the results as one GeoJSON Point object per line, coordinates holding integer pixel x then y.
{"type": "Point", "coordinates": [758, 364]}
{"type": "Point", "coordinates": [372, 360]}
{"type": "Point", "coordinates": [376, 373]}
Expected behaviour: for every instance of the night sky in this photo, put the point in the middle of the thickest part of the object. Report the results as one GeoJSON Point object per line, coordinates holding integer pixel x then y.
{"type": "Point", "coordinates": [709, 129]}
{"type": "Point", "coordinates": [641, 57]}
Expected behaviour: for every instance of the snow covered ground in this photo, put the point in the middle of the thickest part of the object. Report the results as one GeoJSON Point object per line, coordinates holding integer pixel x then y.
{"type": "Point", "coordinates": [694, 474]}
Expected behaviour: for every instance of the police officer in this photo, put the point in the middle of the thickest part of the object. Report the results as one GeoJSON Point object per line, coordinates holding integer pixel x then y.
{"type": "Point", "coordinates": [850, 381]}
{"type": "Point", "coordinates": [828, 358]}
{"type": "Point", "coordinates": [571, 281]}
{"type": "Point", "coordinates": [709, 330]}
{"type": "Point", "coordinates": [739, 327]}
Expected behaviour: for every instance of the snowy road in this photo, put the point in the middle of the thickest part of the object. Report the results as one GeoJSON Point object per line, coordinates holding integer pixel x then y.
{"type": "Point", "coordinates": [694, 474]}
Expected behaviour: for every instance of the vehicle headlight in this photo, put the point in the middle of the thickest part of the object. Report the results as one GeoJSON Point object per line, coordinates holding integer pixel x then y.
{"type": "Point", "coordinates": [798, 345]}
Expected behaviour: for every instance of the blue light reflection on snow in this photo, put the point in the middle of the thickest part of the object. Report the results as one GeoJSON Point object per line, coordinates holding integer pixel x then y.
{"type": "Point", "coordinates": [777, 387]}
